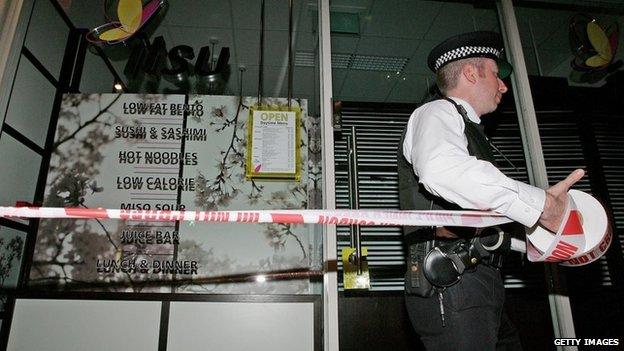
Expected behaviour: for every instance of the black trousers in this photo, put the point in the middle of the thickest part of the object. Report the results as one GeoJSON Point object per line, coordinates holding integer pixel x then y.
{"type": "Point", "coordinates": [473, 313]}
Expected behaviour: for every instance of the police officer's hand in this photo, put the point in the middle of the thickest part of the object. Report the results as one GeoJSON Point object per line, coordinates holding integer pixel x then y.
{"type": "Point", "coordinates": [557, 201]}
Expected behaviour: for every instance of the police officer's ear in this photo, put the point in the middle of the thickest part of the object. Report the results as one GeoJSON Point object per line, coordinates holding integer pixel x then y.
{"type": "Point", "coordinates": [470, 73]}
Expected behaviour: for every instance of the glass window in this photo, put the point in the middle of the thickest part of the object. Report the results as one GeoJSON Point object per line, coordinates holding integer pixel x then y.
{"type": "Point", "coordinates": [380, 76]}
{"type": "Point", "coordinates": [205, 55]}
{"type": "Point", "coordinates": [575, 68]}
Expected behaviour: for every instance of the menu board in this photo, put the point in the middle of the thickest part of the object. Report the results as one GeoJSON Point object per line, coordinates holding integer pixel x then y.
{"type": "Point", "coordinates": [272, 145]}
{"type": "Point", "coordinates": [163, 152]}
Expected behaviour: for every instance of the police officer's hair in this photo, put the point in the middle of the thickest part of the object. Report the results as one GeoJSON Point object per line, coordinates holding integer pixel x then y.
{"type": "Point", "coordinates": [447, 77]}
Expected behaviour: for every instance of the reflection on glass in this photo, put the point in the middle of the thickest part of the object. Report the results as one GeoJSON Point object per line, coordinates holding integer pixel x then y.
{"type": "Point", "coordinates": [577, 45]}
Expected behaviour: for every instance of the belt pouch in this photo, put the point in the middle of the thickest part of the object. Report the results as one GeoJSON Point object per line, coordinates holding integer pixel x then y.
{"type": "Point", "coordinates": [416, 282]}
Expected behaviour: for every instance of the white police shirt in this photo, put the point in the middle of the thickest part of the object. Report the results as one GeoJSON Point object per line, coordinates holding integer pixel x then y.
{"type": "Point", "coordinates": [436, 147]}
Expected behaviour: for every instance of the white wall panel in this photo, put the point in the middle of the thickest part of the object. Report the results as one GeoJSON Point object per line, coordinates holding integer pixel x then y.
{"type": "Point", "coordinates": [67, 325]}
{"type": "Point", "coordinates": [241, 326]}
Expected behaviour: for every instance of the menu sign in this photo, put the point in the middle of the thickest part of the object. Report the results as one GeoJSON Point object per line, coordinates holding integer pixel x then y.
{"type": "Point", "coordinates": [159, 152]}
{"type": "Point", "coordinates": [273, 151]}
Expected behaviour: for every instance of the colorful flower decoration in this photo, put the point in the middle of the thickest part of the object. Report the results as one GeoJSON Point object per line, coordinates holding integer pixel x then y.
{"type": "Point", "coordinates": [594, 46]}
{"type": "Point", "coordinates": [132, 15]}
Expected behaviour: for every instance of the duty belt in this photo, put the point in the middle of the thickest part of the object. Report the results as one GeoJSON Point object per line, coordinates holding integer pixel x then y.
{"type": "Point", "coordinates": [495, 260]}
{"type": "Point", "coordinates": [445, 264]}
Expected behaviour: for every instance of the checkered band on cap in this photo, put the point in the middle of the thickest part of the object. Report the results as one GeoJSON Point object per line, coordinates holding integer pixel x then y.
{"type": "Point", "coordinates": [465, 51]}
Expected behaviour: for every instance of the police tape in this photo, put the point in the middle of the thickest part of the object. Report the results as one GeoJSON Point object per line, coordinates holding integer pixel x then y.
{"type": "Point", "coordinates": [584, 235]}
{"type": "Point", "coordinates": [476, 219]}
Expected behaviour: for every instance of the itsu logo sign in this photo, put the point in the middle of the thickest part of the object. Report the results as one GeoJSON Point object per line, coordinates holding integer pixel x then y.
{"type": "Point", "coordinates": [149, 62]}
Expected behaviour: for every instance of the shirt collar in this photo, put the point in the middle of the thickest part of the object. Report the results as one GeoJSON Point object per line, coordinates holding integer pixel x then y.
{"type": "Point", "coordinates": [472, 115]}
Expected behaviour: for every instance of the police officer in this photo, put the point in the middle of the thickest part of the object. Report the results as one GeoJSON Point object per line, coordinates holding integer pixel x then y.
{"type": "Point", "coordinates": [445, 162]}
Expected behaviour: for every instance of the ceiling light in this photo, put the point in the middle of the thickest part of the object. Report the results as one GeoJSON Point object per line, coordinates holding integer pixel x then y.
{"type": "Point", "coordinates": [341, 60]}
{"type": "Point", "coordinates": [355, 61]}
{"type": "Point", "coordinates": [379, 63]}
{"type": "Point", "coordinates": [305, 59]}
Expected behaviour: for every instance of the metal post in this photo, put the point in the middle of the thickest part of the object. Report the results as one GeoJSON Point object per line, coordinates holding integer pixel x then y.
{"type": "Point", "coordinates": [354, 197]}
{"type": "Point", "coordinates": [561, 313]}
{"type": "Point", "coordinates": [330, 278]}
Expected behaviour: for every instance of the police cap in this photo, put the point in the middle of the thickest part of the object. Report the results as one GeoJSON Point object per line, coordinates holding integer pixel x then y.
{"type": "Point", "coordinates": [474, 44]}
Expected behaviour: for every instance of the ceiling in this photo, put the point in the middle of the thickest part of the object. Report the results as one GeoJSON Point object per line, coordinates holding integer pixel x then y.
{"type": "Point", "coordinates": [387, 29]}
